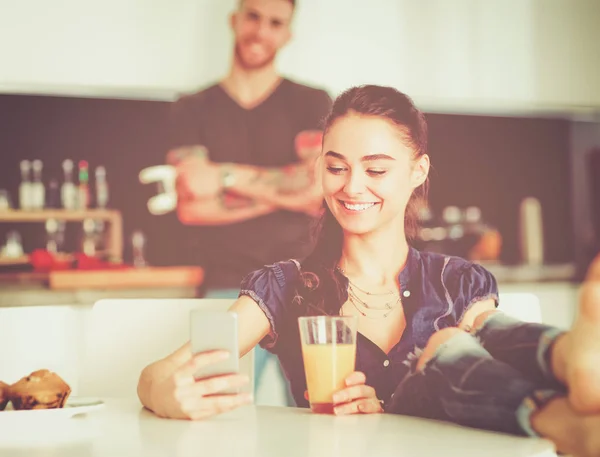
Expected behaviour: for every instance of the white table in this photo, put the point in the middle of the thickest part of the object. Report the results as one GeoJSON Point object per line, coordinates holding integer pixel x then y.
{"type": "Point", "coordinates": [124, 428]}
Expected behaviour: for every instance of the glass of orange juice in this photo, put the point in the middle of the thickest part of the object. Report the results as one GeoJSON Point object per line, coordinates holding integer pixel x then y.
{"type": "Point", "coordinates": [329, 354]}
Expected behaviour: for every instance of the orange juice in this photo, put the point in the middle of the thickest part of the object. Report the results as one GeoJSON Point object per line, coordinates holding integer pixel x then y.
{"type": "Point", "coordinates": [326, 366]}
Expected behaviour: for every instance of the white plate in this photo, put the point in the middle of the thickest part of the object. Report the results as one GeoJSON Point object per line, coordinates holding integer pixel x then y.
{"type": "Point", "coordinates": [73, 407]}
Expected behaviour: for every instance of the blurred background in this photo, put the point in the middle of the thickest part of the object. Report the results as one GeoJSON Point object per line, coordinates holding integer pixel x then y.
{"type": "Point", "coordinates": [511, 90]}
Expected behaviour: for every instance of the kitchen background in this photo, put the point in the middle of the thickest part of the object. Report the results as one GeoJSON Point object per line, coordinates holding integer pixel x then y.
{"type": "Point", "coordinates": [511, 91]}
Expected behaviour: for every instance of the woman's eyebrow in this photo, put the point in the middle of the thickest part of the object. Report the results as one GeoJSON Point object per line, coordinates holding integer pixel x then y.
{"type": "Point", "coordinates": [367, 158]}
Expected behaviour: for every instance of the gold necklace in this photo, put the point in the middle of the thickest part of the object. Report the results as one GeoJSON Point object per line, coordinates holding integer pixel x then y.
{"type": "Point", "coordinates": [341, 270]}
{"type": "Point", "coordinates": [364, 314]}
{"type": "Point", "coordinates": [386, 306]}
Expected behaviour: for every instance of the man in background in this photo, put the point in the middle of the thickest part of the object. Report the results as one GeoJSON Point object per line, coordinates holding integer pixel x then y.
{"type": "Point", "coordinates": [244, 149]}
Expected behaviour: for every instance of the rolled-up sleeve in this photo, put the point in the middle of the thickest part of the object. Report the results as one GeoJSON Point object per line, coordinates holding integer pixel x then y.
{"type": "Point", "coordinates": [475, 284]}
{"type": "Point", "coordinates": [273, 288]}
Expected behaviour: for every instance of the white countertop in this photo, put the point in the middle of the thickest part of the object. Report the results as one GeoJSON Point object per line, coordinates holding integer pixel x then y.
{"type": "Point", "coordinates": [124, 428]}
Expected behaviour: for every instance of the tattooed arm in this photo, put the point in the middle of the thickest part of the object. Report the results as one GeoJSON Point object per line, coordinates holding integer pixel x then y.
{"type": "Point", "coordinates": [293, 187]}
{"type": "Point", "coordinates": [220, 211]}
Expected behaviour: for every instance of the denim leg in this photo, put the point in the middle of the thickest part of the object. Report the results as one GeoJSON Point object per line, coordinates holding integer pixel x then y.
{"type": "Point", "coordinates": [464, 384]}
{"type": "Point", "coordinates": [524, 346]}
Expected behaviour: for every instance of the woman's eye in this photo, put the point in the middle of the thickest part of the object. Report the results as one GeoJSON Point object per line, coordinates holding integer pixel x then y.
{"type": "Point", "coordinates": [376, 172]}
{"type": "Point", "coordinates": [335, 170]}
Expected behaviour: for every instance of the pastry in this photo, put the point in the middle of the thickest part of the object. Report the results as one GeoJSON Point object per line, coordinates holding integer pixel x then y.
{"type": "Point", "coordinates": [3, 395]}
{"type": "Point", "coordinates": [42, 389]}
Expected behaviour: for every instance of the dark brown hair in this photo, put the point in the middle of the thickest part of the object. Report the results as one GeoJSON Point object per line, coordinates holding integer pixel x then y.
{"type": "Point", "coordinates": [320, 291]}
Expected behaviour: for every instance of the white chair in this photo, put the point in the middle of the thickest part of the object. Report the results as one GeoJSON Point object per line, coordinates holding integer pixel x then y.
{"type": "Point", "coordinates": [523, 306]}
{"type": "Point", "coordinates": [36, 337]}
{"type": "Point", "coordinates": [123, 336]}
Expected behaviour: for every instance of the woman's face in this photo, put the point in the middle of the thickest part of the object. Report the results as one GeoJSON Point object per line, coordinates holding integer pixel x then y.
{"type": "Point", "coordinates": [369, 173]}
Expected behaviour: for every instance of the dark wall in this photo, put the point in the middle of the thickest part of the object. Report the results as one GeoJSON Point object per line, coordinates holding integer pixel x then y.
{"type": "Point", "coordinates": [495, 162]}
{"type": "Point", "coordinates": [491, 162]}
{"type": "Point", "coordinates": [123, 135]}
{"type": "Point", "coordinates": [585, 150]}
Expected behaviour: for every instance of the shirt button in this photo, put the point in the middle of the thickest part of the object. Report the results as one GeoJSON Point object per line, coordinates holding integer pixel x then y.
{"type": "Point", "coordinates": [386, 363]}
{"type": "Point", "coordinates": [406, 293]}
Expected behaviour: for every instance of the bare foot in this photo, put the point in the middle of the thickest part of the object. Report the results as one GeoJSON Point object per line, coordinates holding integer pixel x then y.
{"type": "Point", "coordinates": [572, 433]}
{"type": "Point", "coordinates": [582, 347]}
{"type": "Point", "coordinates": [593, 273]}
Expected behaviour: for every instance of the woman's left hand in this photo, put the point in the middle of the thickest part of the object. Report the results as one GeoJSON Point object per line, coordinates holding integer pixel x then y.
{"type": "Point", "coordinates": [357, 397]}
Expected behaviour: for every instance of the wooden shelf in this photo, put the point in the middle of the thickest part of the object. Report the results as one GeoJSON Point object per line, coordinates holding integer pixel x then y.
{"type": "Point", "coordinates": [23, 260]}
{"type": "Point", "coordinates": [113, 217]}
{"type": "Point", "coordinates": [60, 214]}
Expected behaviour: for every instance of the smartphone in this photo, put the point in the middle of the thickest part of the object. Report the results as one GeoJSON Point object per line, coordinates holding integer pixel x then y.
{"type": "Point", "coordinates": [211, 331]}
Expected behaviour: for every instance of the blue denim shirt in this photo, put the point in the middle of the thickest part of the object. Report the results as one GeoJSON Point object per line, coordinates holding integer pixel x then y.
{"type": "Point", "coordinates": [436, 291]}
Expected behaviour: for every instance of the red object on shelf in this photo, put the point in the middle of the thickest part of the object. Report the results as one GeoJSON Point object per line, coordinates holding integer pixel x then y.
{"type": "Point", "coordinates": [44, 261]}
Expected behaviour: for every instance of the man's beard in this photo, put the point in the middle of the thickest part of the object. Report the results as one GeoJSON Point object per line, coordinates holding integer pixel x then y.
{"type": "Point", "coordinates": [248, 66]}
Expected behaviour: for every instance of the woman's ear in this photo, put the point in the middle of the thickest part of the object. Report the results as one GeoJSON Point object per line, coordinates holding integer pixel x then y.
{"type": "Point", "coordinates": [420, 171]}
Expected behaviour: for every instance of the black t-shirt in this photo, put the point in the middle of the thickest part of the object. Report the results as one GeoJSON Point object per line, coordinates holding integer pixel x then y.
{"type": "Point", "coordinates": [262, 136]}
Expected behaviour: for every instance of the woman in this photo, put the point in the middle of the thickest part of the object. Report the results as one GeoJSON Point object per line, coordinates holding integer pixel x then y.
{"type": "Point", "coordinates": [431, 342]}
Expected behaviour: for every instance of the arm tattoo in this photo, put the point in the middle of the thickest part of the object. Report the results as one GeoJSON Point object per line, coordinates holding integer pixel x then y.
{"type": "Point", "coordinates": [233, 201]}
{"type": "Point", "coordinates": [288, 180]}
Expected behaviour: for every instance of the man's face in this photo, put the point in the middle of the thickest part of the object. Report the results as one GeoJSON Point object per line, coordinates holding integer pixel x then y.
{"type": "Point", "coordinates": [261, 28]}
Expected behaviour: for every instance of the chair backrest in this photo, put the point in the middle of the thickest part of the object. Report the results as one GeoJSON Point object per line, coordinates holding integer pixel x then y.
{"type": "Point", "coordinates": [523, 306]}
{"type": "Point", "coordinates": [125, 335]}
{"type": "Point", "coordinates": [36, 337]}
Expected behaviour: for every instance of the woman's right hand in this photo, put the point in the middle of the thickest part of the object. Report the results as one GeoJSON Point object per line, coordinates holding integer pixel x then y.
{"type": "Point", "coordinates": [180, 396]}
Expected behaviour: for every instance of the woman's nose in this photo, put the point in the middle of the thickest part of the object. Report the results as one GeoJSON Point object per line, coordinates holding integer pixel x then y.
{"type": "Point", "coordinates": [355, 184]}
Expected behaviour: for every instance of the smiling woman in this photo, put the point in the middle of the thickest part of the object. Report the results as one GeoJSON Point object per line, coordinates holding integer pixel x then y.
{"type": "Point", "coordinates": [430, 342]}
{"type": "Point", "coordinates": [369, 173]}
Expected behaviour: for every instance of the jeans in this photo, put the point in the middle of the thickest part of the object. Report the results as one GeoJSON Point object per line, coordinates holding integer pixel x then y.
{"type": "Point", "coordinates": [261, 356]}
{"type": "Point", "coordinates": [494, 379]}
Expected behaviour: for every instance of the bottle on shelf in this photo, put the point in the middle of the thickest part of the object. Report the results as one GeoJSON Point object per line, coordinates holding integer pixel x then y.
{"type": "Point", "coordinates": [53, 195]}
{"type": "Point", "coordinates": [100, 236]}
{"type": "Point", "coordinates": [452, 216]}
{"type": "Point", "coordinates": [5, 203]}
{"type": "Point", "coordinates": [101, 188]}
{"type": "Point", "coordinates": [25, 186]}
{"type": "Point", "coordinates": [68, 192]}
{"type": "Point", "coordinates": [531, 232]}
{"type": "Point", "coordinates": [38, 192]}
{"type": "Point", "coordinates": [138, 244]}
{"type": "Point", "coordinates": [84, 191]}
{"type": "Point", "coordinates": [13, 247]}
{"type": "Point", "coordinates": [52, 236]}
{"type": "Point", "coordinates": [88, 244]}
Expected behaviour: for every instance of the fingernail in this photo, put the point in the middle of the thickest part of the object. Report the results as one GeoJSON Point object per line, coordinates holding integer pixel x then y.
{"type": "Point", "coordinates": [247, 398]}
{"type": "Point", "coordinates": [338, 410]}
{"type": "Point", "coordinates": [338, 398]}
{"type": "Point", "coordinates": [224, 355]}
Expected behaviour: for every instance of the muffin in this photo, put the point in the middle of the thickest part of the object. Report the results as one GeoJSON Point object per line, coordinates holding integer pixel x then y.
{"type": "Point", "coordinates": [42, 389]}
{"type": "Point", "coordinates": [3, 395]}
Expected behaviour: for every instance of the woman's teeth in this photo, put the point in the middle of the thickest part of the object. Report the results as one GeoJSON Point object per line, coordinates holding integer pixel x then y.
{"type": "Point", "coordinates": [357, 206]}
